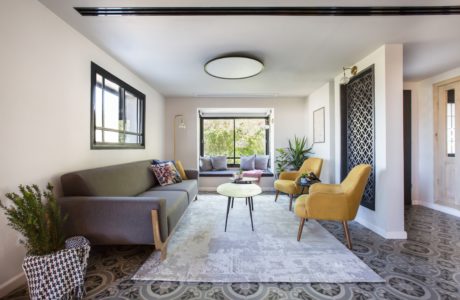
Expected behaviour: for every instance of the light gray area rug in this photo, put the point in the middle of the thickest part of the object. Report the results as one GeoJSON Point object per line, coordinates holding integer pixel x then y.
{"type": "Point", "coordinates": [200, 250]}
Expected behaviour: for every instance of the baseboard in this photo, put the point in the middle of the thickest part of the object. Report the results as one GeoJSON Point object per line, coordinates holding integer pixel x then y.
{"type": "Point", "coordinates": [207, 189]}
{"type": "Point", "coordinates": [438, 207]}
{"type": "Point", "coordinates": [390, 235]}
{"type": "Point", "coordinates": [12, 284]}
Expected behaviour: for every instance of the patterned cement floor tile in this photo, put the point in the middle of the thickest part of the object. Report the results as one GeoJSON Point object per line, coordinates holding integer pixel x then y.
{"type": "Point", "coordinates": [425, 266]}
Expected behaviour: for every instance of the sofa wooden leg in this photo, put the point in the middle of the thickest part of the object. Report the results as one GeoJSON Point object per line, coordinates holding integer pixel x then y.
{"type": "Point", "coordinates": [159, 245]}
{"type": "Point", "coordinates": [277, 194]}
{"type": "Point", "coordinates": [347, 234]}
{"type": "Point", "coordinates": [299, 233]}
{"type": "Point", "coordinates": [291, 197]}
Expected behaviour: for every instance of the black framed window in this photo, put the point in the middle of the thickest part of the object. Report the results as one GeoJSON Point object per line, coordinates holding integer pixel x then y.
{"type": "Point", "coordinates": [117, 112]}
{"type": "Point", "coordinates": [234, 137]}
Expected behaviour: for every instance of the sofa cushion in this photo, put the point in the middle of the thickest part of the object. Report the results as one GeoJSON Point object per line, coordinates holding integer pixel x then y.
{"type": "Point", "coordinates": [219, 162]}
{"type": "Point", "coordinates": [176, 204]}
{"type": "Point", "coordinates": [261, 162]}
{"type": "Point", "coordinates": [205, 164]}
{"type": "Point", "coordinates": [119, 180]}
{"type": "Point", "coordinates": [188, 186]}
{"type": "Point", "coordinates": [247, 162]}
{"type": "Point", "coordinates": [181, 170]}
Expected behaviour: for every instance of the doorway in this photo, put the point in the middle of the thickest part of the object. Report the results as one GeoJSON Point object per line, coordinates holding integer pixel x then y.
{"type": "Point", "coordinates": [407, 128]}
{"type": "Point", "coordinates": [447, 162]}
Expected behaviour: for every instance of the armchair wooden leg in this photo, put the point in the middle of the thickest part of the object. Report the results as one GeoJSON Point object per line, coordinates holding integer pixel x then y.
{"type": "Point", "coordinates": [347, 234]}
{"type": "Point", "coordinates": [299, 233]}
{"type": "Point", "coordinates": [277, 194]}
{"type": "Point", "coordinates": [159, 245]}
{"type": "Point", "coordinates": [291, 196]}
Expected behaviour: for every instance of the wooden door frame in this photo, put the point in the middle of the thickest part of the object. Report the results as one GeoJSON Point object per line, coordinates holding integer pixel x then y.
{"type": "Point", "coordinates": [436, 87]}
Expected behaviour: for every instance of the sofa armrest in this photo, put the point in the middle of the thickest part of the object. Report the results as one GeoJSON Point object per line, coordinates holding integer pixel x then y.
{"type": "Point", "coordinates": [114, 220]}
{"type": "Point", "coordinates": [192, 174]}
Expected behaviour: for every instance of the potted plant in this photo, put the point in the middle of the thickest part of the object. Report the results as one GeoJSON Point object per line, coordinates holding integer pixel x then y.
{"type": "Point", "coordinates": [304, 178]}
{"type": "Point", "coordinates": [54, 267]}
{"type": "Point", "coordinates": [293, 156]}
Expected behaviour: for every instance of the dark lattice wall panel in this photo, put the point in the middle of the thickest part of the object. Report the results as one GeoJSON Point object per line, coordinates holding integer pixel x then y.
{"type": "Point", "coordinates": [360, 129]}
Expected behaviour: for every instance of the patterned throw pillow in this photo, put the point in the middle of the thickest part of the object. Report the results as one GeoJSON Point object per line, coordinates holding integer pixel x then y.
{"type": "Point", "coordinates": [166, 173]}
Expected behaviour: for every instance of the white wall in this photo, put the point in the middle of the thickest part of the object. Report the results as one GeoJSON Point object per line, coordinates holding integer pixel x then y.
{"type": "Point", "coordinates": [288, 121]}
{"type": "Point", "coordinates": [388, 217]}
{"type": "Point", "coordinates": [423, 139]}
{"type": "Point", "coordinates": [323, 97]}
{"type": "Point", "coordinates": [45, 110]}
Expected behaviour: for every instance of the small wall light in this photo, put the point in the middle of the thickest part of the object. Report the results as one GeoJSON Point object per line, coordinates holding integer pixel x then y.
{"type": "Point", "coordinates": [353, 71]}
{"type": "Point", "coordinates": [181, 125]}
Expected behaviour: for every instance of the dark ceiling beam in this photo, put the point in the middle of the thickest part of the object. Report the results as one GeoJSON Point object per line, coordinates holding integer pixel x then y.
{"type": "Point", "coordinates": [271, 11]}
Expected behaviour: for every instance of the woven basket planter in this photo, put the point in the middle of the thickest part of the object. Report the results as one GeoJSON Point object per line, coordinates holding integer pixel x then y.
{"type": "Point", "coordinates": [60, 275]}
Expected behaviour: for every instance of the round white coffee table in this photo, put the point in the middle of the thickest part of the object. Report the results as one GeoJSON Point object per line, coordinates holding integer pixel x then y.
{"type": "Point", "coordinates": [236, 190]}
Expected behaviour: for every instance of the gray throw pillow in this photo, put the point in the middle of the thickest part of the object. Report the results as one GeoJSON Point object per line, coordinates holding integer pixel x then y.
{"type": "Point", "coordinates": [247, 162]}
{"type": "Point", "coordinates": [205, 164]}
{"type": "Point", "coordinates": [261, 162]}
{"type": "Point", "coordinates": [219, 162]}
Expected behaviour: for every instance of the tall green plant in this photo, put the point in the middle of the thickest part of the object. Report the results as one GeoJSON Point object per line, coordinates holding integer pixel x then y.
{"type": "Point", "coordinates": [293, 156]}
{"type": "Point", "coordinates": [37, 217]}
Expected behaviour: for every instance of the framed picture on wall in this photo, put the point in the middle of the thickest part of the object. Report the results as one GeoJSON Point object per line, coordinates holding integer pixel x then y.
{"type": "Point", "coordinates": [318, 126]}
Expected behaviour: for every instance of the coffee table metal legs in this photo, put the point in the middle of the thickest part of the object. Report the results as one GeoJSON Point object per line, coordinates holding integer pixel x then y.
{"type": "Point", "coordinates": [228, 209]}
{"type": "Point", "coordinates": [249, 200]}
{"type": "Point", "coordinates": [250, 210]}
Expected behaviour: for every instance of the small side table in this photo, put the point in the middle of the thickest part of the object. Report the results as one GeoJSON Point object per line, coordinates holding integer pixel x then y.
{"type": "Point", "coordinates": [307, 184]}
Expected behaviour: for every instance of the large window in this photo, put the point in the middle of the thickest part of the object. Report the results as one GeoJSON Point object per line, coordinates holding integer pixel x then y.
{"type": "Point", "coordinates": [234, 137]}
{"type": "Point", "coordinates": [117, 112]}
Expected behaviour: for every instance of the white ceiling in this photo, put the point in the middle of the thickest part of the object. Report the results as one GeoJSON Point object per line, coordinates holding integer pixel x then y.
{"type": "Point", "coordinates": [300, 53]}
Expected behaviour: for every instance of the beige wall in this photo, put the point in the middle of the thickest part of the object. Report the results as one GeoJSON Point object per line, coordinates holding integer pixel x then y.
{"type": "Point", "coordinates": [288, 121]}
{"type": "Point", "coordinates": [44, 110]}
{"type": "Point", "coordinates": [388, 217]}
{"type": "Point", "coordinates": [323, 98]}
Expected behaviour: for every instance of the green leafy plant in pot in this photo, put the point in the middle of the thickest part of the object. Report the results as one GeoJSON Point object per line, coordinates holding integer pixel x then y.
{"type": "Point", "coordinates": [37, 216]}
{"type": "Point", "coordinates": [293, 156]}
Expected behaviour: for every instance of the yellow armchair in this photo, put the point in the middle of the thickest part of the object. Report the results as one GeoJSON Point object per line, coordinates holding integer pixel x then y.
{"type": "Point", "coordinates": [287, 182]}
{"type": "Point", "coordinates": [335, 202]}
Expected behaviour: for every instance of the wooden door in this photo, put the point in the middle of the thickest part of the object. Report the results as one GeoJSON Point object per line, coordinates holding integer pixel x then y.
{"type": "Point", "coordinates": [447, 166]}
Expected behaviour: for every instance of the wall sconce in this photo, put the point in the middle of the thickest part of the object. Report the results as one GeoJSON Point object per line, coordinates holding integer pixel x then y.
{"type": "Point", "coordinates": [181, 125]}
{"type": "Point", "coordinates": [353, 71]}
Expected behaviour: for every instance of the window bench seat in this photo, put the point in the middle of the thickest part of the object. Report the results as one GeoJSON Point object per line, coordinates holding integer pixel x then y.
{"type": "Point", "coordinates": [229, 173]}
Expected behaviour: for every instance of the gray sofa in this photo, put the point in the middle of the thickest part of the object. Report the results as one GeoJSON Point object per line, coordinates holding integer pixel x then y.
{"type": "Point", "coordinates": [123, 204]}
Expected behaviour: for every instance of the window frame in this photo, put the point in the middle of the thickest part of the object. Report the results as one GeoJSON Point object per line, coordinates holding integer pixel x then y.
{"type": "Point", "coordinates": [124, 87]}
{"type": "Point", "coordinates": [233, 158]}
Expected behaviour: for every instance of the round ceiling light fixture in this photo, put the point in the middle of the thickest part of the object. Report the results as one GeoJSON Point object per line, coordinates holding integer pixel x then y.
{"type": "Point", "coordinates": [233, 67]}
